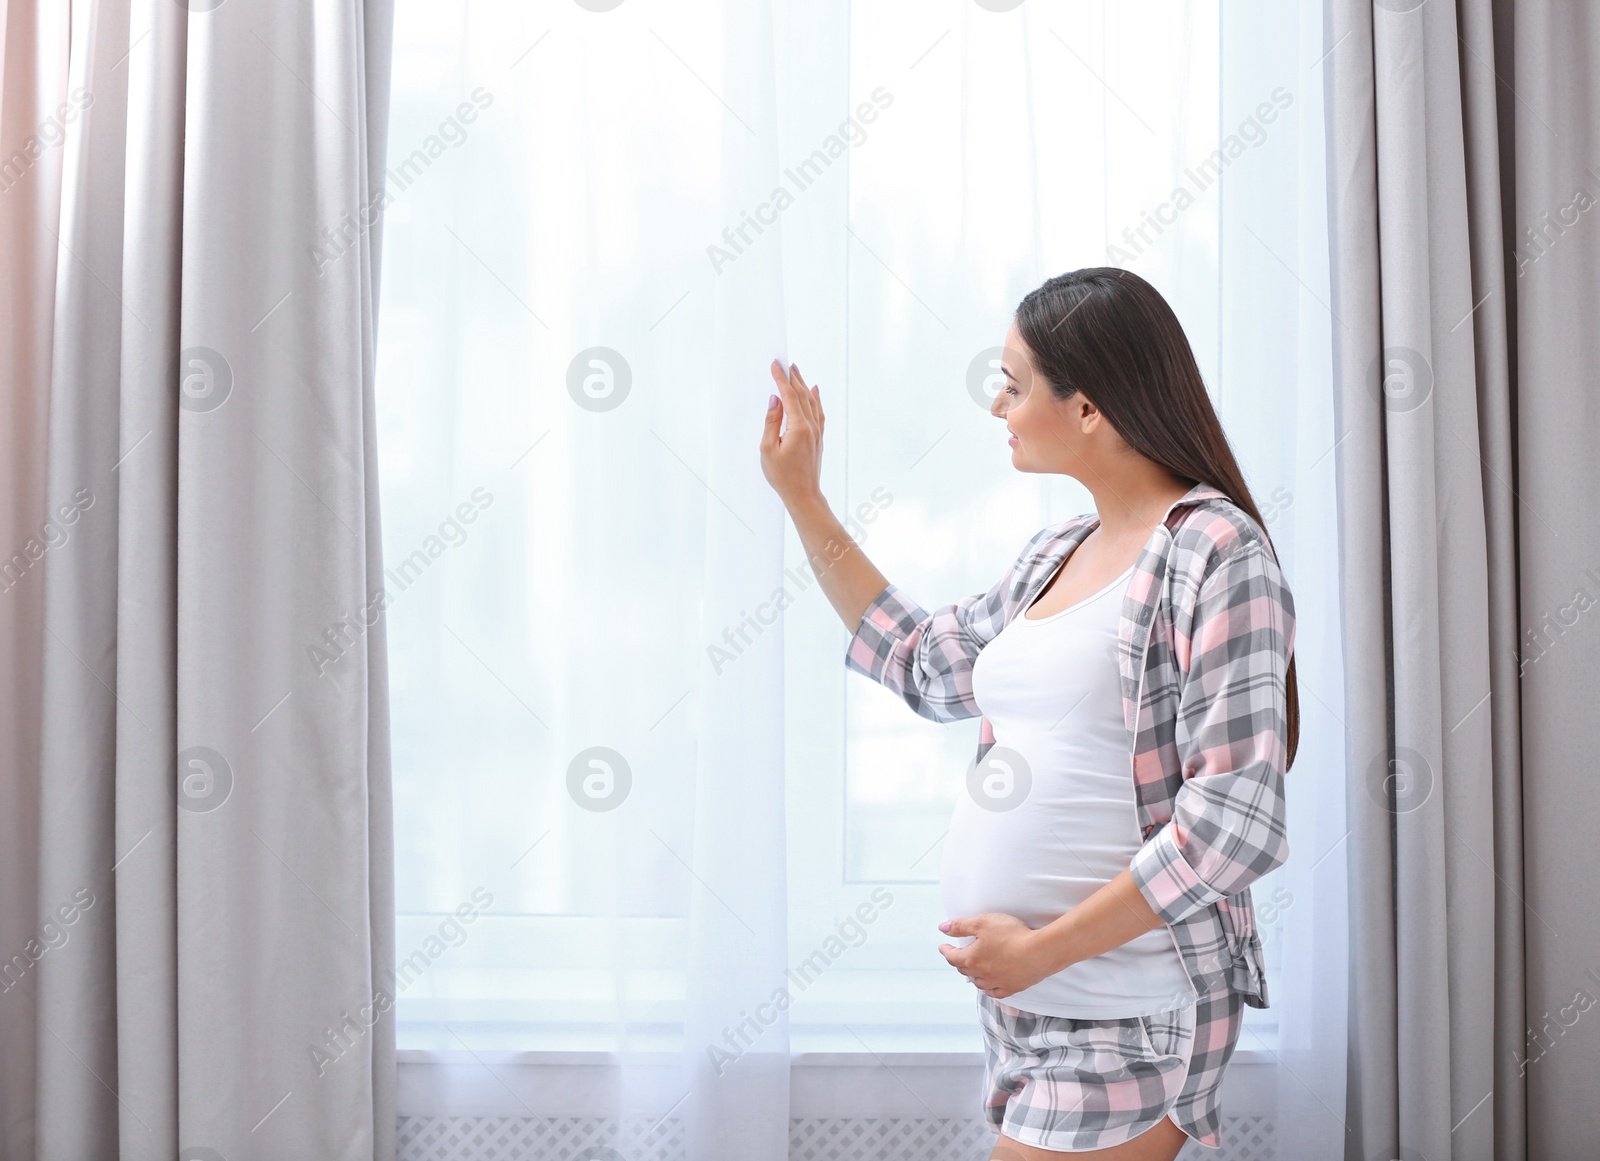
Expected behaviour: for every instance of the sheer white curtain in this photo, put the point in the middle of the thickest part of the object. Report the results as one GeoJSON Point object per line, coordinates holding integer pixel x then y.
{"type": "Point", "coordinates": [1273, 387]}
{"type": "Point", "coordinates": [590, 726]}
{"type": "Point", "coordinates": [626, 746]}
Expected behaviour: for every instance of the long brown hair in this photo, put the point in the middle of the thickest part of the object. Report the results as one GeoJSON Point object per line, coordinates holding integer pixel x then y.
{"type": "Point", "coordinates": [1109, 334]}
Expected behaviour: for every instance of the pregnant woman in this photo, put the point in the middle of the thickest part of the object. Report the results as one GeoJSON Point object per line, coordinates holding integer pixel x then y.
{"type": "Point", "coordinates": [1133, 670]}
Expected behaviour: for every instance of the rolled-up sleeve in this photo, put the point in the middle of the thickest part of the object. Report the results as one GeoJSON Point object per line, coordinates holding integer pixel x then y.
{"type": "Point", "coordinates": [926, 658]}
{"type": "Point", "coordinates": [1228, 821]}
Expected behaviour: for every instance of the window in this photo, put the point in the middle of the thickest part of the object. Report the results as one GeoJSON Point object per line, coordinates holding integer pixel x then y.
{"type": "Point", "coordinates": [571, 189]}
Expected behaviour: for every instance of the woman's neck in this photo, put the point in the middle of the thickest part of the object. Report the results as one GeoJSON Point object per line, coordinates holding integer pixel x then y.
{"type": "Point", "coordinates": [1131, 504]}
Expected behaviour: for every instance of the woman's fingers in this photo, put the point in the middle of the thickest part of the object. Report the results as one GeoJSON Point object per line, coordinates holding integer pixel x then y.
{"type": "Point", "coordinates": [813, 400]}
{"type": "Point", "coordinates": [769, 434]}
{"type": "Point", "coordinates": [791, 440]}
{"type": "Point", "coordinates": [780, 379]}
{"type": "Point", "coordinates": [793, 403]}
{"type": "Point", "coordinates": [806, 402]}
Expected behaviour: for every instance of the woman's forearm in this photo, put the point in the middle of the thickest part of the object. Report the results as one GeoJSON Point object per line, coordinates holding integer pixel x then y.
{"type": "Point", "coordinates": [1109, 918]}
{"type": "Point", "coordinates": [848, 578]}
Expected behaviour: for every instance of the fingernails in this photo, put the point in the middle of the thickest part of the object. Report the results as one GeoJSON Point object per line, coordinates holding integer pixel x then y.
{"type": "Point", "coordinates": [772, 401]}
{"type": "Point", "coordinates": [945, 926]}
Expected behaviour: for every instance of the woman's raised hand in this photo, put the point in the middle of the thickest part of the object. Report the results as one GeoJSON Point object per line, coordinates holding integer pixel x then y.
{"type": "Point", "coordinates": [792, 462]}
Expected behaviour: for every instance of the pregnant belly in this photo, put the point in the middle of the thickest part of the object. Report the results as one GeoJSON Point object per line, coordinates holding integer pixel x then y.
{"type": "Point", "coordinates": [1036, 862]}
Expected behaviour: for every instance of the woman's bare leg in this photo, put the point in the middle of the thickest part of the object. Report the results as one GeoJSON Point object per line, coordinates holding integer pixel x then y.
{"type": "Point", "coordinates": [1161, 1142]}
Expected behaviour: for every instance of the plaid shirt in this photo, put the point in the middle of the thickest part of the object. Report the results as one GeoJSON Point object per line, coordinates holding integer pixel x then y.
{"type": "Point", "coordinates": [1206, 633]}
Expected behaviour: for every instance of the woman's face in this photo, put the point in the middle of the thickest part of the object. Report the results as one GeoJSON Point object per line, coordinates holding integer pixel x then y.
{"type": "Point", "coordinates": [1046, 434]}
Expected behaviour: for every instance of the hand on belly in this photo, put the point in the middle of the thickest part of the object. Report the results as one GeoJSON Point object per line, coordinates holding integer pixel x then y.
{"type": "Point", "coordinates": [1002, 959]}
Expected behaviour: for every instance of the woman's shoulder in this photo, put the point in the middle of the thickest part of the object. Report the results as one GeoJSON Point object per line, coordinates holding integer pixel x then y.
{"type": "Point", "coordinates": [1214, 540]}
{"type": "Point", "coordinates": [1213, 527]}
{"type": "Point", "coordinates": [1218, 542]}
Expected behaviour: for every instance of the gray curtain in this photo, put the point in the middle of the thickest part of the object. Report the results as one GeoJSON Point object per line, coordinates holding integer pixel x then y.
{"type": "Point", "coordinates": [205, 965]}
{"type": "Point", "coordinates": [1462, 136]}
{"type": "Point", "coordinates": [29, 72]}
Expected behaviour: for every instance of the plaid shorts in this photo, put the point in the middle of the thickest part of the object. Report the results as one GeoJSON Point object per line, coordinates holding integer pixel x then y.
{"type": "Point", "coordinates": [1075, 1085]}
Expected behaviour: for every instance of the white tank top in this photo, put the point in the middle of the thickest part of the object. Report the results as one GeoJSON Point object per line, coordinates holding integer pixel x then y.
{"type": "Point", "coordinates": [1042, 834]}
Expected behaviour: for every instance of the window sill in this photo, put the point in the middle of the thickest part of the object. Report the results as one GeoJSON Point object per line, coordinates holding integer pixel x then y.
{"type": "Point", "coordinates": [831, 1059]}
{"type": "Point", "coordinates": [580, 1059]}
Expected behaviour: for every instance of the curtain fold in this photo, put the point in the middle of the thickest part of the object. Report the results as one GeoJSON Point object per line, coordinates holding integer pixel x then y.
{"type": "Point", "coordinates": [1548, 64]}
{"type": "Point", "coordinates": [1481, 94]}
{"type": "Point", "coordinates": [76, 1047]}
{"type": "Point", "coordinates": [739, 946]}
{"type": "Point", "coordinates": [214, 863]}
{"type": "Point", "coordinates": [34, 112]}
{"type": "Point", "coordinates": [1459, 134]}
{"type": "Point", "coordinates": [735, 1059]}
